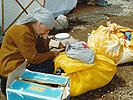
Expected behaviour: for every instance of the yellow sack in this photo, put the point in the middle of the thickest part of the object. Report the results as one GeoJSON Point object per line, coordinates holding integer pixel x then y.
{"type": "Point", "coordinates": [85, 77]}
{"type": "Point", "coordinates": [110, 41]}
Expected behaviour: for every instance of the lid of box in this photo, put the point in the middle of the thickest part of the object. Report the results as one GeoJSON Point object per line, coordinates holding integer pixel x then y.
{"type": "Point", "coordinates": [44, 78]}
{"type": "Point", "coordinates": [24, 89]}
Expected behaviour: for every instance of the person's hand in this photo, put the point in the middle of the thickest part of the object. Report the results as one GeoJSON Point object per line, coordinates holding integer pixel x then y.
{"type": "Point", "coordinates": [44, 36]}
{"type": "Point", "coordinates": [56, 53]}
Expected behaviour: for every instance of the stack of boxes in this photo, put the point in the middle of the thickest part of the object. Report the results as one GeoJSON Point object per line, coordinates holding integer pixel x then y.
{"type": "Point", "coordinates": [39, 86]}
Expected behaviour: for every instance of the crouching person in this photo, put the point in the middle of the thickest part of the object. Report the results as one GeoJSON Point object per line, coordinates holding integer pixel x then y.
{"type": "Point", "coordinates": [21, 42]}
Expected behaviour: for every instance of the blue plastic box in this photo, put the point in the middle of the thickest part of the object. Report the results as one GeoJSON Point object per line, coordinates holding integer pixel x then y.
{"type": "Point", "coordinates": [39, 86]}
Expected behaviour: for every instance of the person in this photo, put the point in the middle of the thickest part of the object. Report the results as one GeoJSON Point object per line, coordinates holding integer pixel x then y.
{"type": "Point", "coordinates": [95, 2]}
{"type": "Point", "coordinates": [23, 41]}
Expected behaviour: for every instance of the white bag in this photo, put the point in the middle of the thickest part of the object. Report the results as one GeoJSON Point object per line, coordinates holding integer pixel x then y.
{"type": "Point", "coordinates": [80, 51]}
{"type": "Point", "coordinates": [61, 23]}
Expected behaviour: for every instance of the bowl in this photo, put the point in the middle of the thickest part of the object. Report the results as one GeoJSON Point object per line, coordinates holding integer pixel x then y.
{"type": "Point", "coordinates": [61, 36]}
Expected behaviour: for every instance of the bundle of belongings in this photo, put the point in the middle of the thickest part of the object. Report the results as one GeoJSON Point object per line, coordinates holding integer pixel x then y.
{"type": "Point", "coordinates": [80, 51]}
{"type": "Point", "coordinates": [61, 23]}
{"type": "Point", "coordinates": [93, 65]}
{"type": "Point", "coordinates": [114, 41]}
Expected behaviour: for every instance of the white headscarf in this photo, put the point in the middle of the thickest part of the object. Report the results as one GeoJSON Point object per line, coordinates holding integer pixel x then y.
{"type": "Point", "coordinates": [41, 15]}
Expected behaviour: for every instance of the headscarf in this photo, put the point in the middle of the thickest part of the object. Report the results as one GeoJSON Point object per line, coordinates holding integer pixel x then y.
{"type": "Point", "coordinates": [41, 15]}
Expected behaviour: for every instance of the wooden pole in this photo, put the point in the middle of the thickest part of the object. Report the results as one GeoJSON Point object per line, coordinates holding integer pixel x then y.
{"type": "Point", "coordinates": [19, 15]}
{"type": "Point", "coordinates": [39, 3]}
{"type": "Point", "coordinates": [44, 3]}
{"type": "Point", "coordinates": [21, 6]}
{"type": "Point", "coordinates": [2, 17]}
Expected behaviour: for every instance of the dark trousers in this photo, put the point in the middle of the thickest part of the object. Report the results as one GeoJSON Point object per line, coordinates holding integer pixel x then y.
{"type": "Point", "coordinates": [3, 85]}
{"type": "Point", "coordinates": [45, 67]}
{"type": "Point", "coordinates": [0, 45]}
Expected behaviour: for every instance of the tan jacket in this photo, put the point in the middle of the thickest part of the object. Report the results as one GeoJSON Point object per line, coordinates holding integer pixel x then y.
{"type": "Point", "coordinates": [19, 43]}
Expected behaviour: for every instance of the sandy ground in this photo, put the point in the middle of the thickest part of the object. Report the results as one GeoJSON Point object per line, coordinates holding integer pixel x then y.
{"type": "Point", "coordinates": [82, 20]}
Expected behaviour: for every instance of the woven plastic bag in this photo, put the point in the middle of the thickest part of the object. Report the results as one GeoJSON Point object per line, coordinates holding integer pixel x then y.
{"type": "Point", "coordinates": [80, 51]}
{"type": "Point", "coordinates": [110, 41]}
{"type": "Point", "coordinates": [61, 23]}
{"type": "Point", "coordinates": [83, 76]}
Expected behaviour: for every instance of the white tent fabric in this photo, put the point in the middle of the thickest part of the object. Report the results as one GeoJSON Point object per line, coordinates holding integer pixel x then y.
{"type": "Point", "coordinates": [58, 7]}
{"type": "Point", "coordinates": [0, 14]}
{"type": "Point", "coordinates": [12, 9]}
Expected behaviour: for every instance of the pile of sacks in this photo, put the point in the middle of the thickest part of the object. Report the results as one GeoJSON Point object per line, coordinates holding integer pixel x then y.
{"type": "Point", "coordinates": [108, 47]}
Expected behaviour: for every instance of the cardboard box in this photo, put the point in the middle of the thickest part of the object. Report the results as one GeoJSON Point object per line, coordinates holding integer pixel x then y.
{"type": "Point", "coordinates": [39, 86]}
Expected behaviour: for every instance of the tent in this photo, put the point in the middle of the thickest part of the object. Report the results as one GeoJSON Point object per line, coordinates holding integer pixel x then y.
{"type": "Point", "coordinates": [12, 10]}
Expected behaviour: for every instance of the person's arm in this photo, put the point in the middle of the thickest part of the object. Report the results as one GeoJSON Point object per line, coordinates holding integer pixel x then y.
{"type": "Point", "coordinates": [27, 47]}
{"type": "Point", "coordinates": [42, 45]}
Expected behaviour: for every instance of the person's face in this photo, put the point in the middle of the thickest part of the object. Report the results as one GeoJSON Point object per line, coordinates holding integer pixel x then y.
{"type": "Point", "coordinates": [42, 30]}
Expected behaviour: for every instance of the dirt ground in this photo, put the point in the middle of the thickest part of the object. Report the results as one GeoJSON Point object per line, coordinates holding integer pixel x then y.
{"type": "Point", "coordinates": [121, 86]}
{"type": "Point", "coordinates": [82, 20]}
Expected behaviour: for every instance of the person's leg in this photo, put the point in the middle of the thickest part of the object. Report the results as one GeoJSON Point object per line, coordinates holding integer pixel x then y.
{"type": "Point", "coordinates": [0, 45]}
{"type": "Point", "coordinates": [102, 2]}
{"type": "Point", "coordinates": [45, 67]}
{"type": "Point", "coordinates": [3, 85]}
